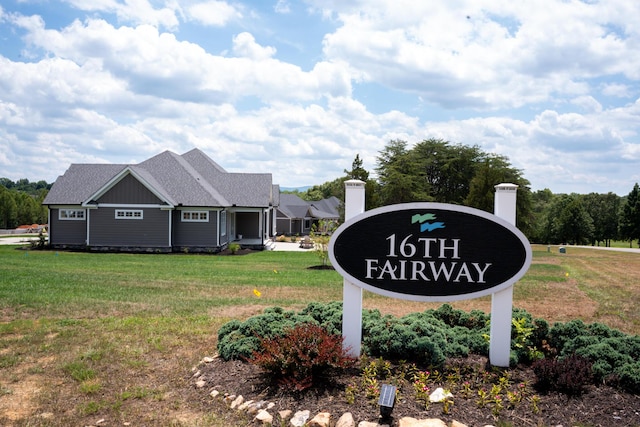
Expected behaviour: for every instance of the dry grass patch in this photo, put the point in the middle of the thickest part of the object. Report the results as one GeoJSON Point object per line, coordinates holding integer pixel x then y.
{"type": "Point", "coordinates": [141, 332]}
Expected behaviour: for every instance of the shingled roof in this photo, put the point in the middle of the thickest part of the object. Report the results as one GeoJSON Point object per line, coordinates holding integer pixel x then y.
{"type": "Point", "coordinates": [293, 206]}
{"type": "Point", "coordinates": [191, 179]}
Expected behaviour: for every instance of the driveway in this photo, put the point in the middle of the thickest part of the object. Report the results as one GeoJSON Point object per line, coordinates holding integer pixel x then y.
{"type": "Point", "coordinates": [17, 240]}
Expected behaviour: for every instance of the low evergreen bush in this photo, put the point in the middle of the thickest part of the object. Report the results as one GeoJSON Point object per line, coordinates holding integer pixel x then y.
{"type": "Point", "coordinates": [430, 337]}
{"type": "Point", "coordinates": [629, 377]}
{"type": "Point", "coordinates": [238, 340]}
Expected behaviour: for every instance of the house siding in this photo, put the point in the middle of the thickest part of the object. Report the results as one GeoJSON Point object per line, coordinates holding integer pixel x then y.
{"type": "Point", "coordinates": [150, 232]}
{"type": "Point", "coordinates": [129, 191]}
{"type": "Point", "coordinates": [203, 234]}
{"type": "Point", "coordinates": [66, 233]}
{"type": "Point", "coordinates": [291, 226]}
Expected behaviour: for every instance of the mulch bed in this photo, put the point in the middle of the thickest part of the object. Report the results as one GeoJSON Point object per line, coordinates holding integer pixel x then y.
{"type": "Point", "coordinates": [598, 406]}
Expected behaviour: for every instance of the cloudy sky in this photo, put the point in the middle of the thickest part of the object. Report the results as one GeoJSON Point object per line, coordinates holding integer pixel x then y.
{"type": "Point", "coordinates": [298, 88]}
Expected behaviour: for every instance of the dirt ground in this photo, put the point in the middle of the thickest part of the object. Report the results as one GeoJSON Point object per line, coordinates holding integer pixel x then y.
{"type": "Point", "coordinates": [597, 407]}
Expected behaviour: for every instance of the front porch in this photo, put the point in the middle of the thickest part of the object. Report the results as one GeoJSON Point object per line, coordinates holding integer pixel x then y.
{"type": "Point", "coordinates": [255, 243]}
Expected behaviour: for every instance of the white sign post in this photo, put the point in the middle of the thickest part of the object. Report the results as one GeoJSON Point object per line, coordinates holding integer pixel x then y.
{"type": "Point", "coordinates": [502, 301]}
{"type": "Point", "coordinates": [352, 294]}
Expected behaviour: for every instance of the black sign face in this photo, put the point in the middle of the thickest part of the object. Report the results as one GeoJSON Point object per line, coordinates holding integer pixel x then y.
{"type": "Point", "coordinates": [430, 252]}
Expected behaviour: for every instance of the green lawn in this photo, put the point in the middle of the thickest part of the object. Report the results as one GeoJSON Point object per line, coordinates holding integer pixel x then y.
{"type": "Point", "coordinates": [90, 336]}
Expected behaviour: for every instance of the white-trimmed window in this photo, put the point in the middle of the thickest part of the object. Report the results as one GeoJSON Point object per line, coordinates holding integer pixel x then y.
{"type": "Point", "coordinates": [223, 223]}
{"type": "Point", "coordinates": [71, 214]}
{"type": "Point", "coordinates": [129, 214]}
{"type": "Point", "coordinates": [195, 216]}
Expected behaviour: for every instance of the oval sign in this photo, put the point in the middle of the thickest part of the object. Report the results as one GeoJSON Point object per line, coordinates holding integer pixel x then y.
{"type": "Point", "coordinates": [430, 252]}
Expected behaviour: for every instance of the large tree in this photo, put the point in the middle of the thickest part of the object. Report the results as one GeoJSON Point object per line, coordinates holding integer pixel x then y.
{"type": "Point", "coordinates": [435, 170]}
{"type": "Point", "coordinates": [8, 209]}
{"type": "Point", "coordinates": [604, 210]}
{"type": "Point", "coordinates": [630, 220]}
{"type": "Point", "coordinates": [445, 170]}
{"type": "Point", "coordinates": [357, 171]}
{"type": "Point", "coordinates": [398, 175]}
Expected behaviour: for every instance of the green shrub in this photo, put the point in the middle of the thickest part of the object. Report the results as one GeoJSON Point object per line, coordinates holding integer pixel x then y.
{"type": "Point", "coordinates": [329, 315]}
{"type": "Point", "coordinates": [303, 355]}
{"type": "Point", "coordinates": [429, 337]}
{"type": "Point", "coordinates": [605, 357]}
{"type": "Point", "coordinates": [238, 340]}
{"type": "Point", "coordinates": [560, 333]}
{"type": "Point", "coordinates": [475, 319]}
{"type": "Point", "coordinates": [629, 377]}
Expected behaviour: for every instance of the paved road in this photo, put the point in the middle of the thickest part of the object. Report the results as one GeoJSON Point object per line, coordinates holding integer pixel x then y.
{"type": "Point", "coordinates": [635, 250]}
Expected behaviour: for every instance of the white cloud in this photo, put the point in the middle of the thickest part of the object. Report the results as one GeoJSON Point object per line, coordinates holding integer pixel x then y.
{"type": "Point", "coordinates": [485, 54]}
{"type": "Point", "coordinates": [244, 44]}
{"type": "Point", "coordinates": [157, 64]}
{"type": "Point", "coordinates": [587, 103]}
{"type": "Point", "coordinates": [214, 13]}
{"type": "Point", "coordinates": [282, 6]}
{"type": "Point", "coordinates": [132, 11]}
{"type": "Point", "coordinates": [616, 89]}
{"type": "Point", "coordinates": [557, 93]}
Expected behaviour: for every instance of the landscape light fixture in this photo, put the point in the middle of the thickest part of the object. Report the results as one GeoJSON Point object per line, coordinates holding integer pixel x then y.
{"type": "Point", "coordinates": [387, 400]}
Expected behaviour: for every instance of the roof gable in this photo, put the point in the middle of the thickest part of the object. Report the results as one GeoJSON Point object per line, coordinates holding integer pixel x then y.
{"type": "Point", "coordinates": [115, 180]}
{"type": "Point", "coordinates": [80, 182]}
{"type": "Point", "coordinates": [130, 189]}
{"type": "Point", "coordinates": [181, 181]}
{"type": "Point", "coordinates": [192, 179]}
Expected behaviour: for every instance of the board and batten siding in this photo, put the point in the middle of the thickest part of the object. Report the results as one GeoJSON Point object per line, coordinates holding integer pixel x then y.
{"type": "Point", "coordinates": [129, 191]}
{"type": "Point", "coordinates": [66, 232]}
{"type": "Point", "coordinates": [203, 234]}
{"type": "Point", "coordinates": [150, 231]}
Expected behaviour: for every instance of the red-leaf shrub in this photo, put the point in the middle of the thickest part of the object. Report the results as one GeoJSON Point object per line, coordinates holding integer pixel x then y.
{"type": "Point", "coordinates": [570, 375]}
{"type": "Point", "coordinates": [300, 357]}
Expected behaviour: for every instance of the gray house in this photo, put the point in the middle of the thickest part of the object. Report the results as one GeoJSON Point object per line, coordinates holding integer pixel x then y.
{"type": "Point", "coordinates": [167, 203]}
{"type": "Point", "coordinates": [297, 216]}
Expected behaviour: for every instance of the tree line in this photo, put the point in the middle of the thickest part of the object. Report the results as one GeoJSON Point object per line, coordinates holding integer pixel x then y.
{"type": "Point", "coordinates": [435, 170]}
{"type": "Point", "coordinates": [21, 203]}
{"type": "Point", "coordinates": [432, 170]}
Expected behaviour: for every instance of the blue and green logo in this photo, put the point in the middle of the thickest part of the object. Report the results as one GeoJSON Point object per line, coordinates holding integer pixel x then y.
{"type": "Point", "coordinates": [427, 222]}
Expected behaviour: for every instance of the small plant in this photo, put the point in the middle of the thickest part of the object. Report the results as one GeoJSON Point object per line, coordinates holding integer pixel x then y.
{"type": "Point", "coordinates": [535, 404]}
{"type": "Point", "coordinates": [498, 405]}
{"type": "Point", "coordinates": [483, 398]}
{"type": "Point", "coordinates": [569, 375]}
{"type": "Point", "coordinates": [421, 386]}
{"type": "Point", "coordinates": [234, 248]}
{"type": "Point", "coordinates": [522, 336]}
{"type": "Point", "coordinates": [466, 390]}
{"type": "Point", "coordinates": [447, 405]}
{"type": "Point", "coordinates": [350, 393]}
{"type": "Point", "coordinates": [41, 243]}
{"type": "Point", "coordinates": [321, 234]}
{"type": "Point", "coordinates": [301, 356]}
